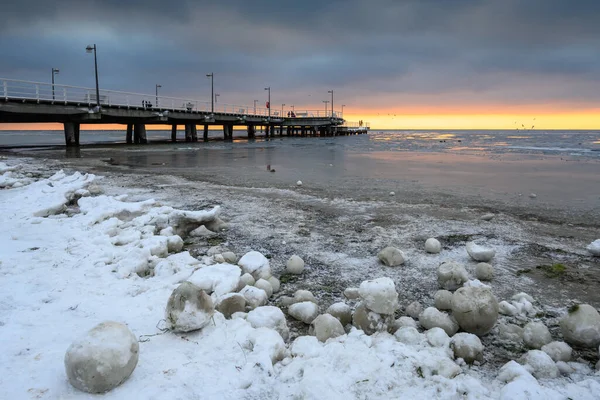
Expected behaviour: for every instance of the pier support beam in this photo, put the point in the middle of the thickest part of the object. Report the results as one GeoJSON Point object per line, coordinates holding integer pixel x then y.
{"type": "Point", "coordinates": [188, 132]}
{"type": "Point", "coordinates": [227, 131]}
{"type": "Point", "coordinates": [71, 134]}
{"type": "Point", "coordinates": [280, 130]}
{"type": "Point", "coordinates": [139, 133]}
{"type": "Point", "coordinates": [205, 135]}
{"type": "Point", "coordinates": [303, 131]}
{"type": "Point", "coordinates": [251, 131]}
{"type": "Point", "coordinates": [194, 133]}
{"type": "Point", "coordinates": [173, 133]}
{"type": "Point", "coordinates": [129, 135]}
{"type": "Point", "coordinates": [267, 131]}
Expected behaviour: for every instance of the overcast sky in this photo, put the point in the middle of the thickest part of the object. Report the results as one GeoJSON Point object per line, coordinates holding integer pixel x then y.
{"type": "Point", "coordinates": [402, 54]}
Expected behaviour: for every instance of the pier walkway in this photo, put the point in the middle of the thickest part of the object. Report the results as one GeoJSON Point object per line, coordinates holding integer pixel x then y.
{"type": "Point", "coordinates": [35, 102]}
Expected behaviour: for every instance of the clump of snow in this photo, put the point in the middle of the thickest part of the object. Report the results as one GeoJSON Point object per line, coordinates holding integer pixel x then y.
{"type": "Point", "coordinates": [218, 278]}
{"type": "Point", "coordinates": [299, 183]}
{"type": "Point", "coordinates": [505, 308]}
{"type": "Point", "coordinates": [304, 295]}
{"type": "Point", "coordinates": [246, 280]}
{"type": "Point", "coordinates": [379, 295]}
{"type": "Point", "coordinates": [581, 326]}
{"type": "Point", "coordinates": [269, 317]}
{"type": "Point", "coordinates": [487, 217]}
{"type": "Point", "coordinates": [202, 232]}
{"type": "Point", "coordinates": [189, 308]}
{"type": "Point", "coordinates": [255, 297]}
{"type": "Point", "coordinates": [264, 285]}
{"type": "Point", "coordinates": [475, 309]}
{"type": "Point", "coordinates": [326, 326]}
{"type": "Point", "coordinates": [539, 364]}
{"type": "Point", "coordinates": [414, 309]}
{"type": "Point", "coordinates": [451, 275]}
{"type": "Point", "coordinates": [594, 248]}
{"type": "Point", "coordinates": [305, 311]}
{"type": "Point", "coordinates": [103, 358]}
{"type": "Point", "coordinates": [437, 337]}
{"type": "Point", "coordinates": [484, 272]}
{"type": "Point", "coordinates": [342, 312]}
{"type": "Point", "coordinates": [400, 322]}
{"type": "Point", "coordinates": [230, 257]}
{"type": "Point", "coordinates": [256, 264]}
{"type": "Point", "coordinates": [275, 284]}
{"type": "Point", "coordinates": [230, 304]}
{"type": "Point", "coordinates": [480, 253]}
{"type": "Point", "coordinates": [536, 335]}
{"type": "Point", "coordinates": [391, 256]}
{"type": "Point", "coordinates": [558, 351]}
{"type": "Point", "coordinates": [510, 332]}
{"type": "Point", "coordinates": [433, 246]}
{"type": "Point", "coordinates": [467, 346]}
{"type": "Point", "coordinates": [295, 265]}
{"type": "Point", "coordinates": [434, 318]}
{"type": "Point", "coordinates": [442, 300]}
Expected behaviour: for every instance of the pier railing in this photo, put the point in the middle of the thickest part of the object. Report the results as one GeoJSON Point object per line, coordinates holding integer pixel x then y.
{"type": "Point", "coordinates": [47, 93]}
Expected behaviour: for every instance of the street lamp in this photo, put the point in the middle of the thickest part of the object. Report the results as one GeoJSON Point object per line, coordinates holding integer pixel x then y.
{"type": "Point", "coordinates": [331, 91]}
{"type": "Point", "coordinates": [212, 91]}
{"type": "Point", "coordinates": [90, 49]}
{"type": "Point", "coordinates": [343, 105]}
{"type": "Point", "coordinates": [293, 109]}
{"type": "Point", "coordinates": [269, 101]}
{"type": "Point", "coordinates": [55, 71]}
{"type": "Point", "coordinates": [283, 105]}
{"type": "Point", "coordinates": [325, 101]}
{"type": "Point", "coordinates": [216, 95]}
{"type": "Point", "coordinates": [157, 86]}
{"type": "Point", "coordinates": [255, 106]}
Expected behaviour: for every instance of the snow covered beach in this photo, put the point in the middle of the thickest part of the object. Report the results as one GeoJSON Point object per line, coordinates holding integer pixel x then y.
{"type": "Point", "coordinates": [77, 250]}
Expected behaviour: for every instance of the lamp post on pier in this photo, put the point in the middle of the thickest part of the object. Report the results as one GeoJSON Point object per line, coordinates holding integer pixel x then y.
{"type": "Point", "coordinates": [216, 95]}
{"type": "Point", "coordinates": [255, 106]}
{"type": "Point", "coordinates": [55, 71]}
{"type": "Point", "coordinates": [325, 101]}
{"type": "Point", "coordinates": [92, 49]}
{"type": "Point", "coordinates": [343, 105]}
{"type": "Point", "coordinates": [212, 91]}
{"type": "Point", "coordinates": [331, 91]}
{"type": "Point", "coordinates": [157, 86]}
{"type": "Point", "coordinates": [269, 101]}
{"type": "Point", "coordinates": [283, 105]}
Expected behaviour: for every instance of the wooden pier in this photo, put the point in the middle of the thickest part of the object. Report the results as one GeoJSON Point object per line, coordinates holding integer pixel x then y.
{"type": "Point", "coordinates": [35, 102]}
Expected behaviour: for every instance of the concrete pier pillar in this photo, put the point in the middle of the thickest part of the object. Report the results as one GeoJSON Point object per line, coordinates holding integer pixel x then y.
{"type": "Point", "coordinates": [280, 130]}
{"type": "Point", "coordinates": [70, 134]}
{"type": "Point", "coordinates": [77, 130]}
{"type": "Point", "coordinates": [205, 135]}
{"type": "Point", "coordinates": [188, 132]}
{"type": "Point", "coordinates": [194, 133]}
{"type": "Point", "coordinates": [251, 131]}
{"type": "Point", "coordinates": [267, 131]}
{"type": "Point", "coordinates": [303, 130]}
{"type": "Point", "coordinates": [139, 133]}
{"type": "Point", "coordinates": [173, 133]}
{"type": "Point", "coordinates": [129, 135]}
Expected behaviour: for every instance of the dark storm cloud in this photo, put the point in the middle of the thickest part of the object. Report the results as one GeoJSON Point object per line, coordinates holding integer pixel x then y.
{"type": "Point", "coordinates": [489, 49]}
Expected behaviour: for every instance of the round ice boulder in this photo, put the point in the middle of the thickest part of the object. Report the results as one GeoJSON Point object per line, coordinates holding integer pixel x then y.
{"type": "Point", "coordinates": [379, 295]}
{"type": "Point", "coordinates": [539, 364]}
{"type": "Point", "coordinates": [326, 326]}
{"type": "Point", "coordinates": [369, 321]}
{"type": "Point", "coordinates": [467, 346]}
{"type": "Point", "coordinates": [433, 246]}
{"type": "Point", "coordinates": [480, 253]}
{"type": "Point", "coordinates": [189, 308]}
{"type": "Point", "coordinates": [304, 295]}
{"type": "Point", "coordinates": [254, 296]}
{"type": "Point", "coordinates": [103, 358]}
{"type": "Point", "coordinates": [558, 351]}
{"type": "Point", "coordinates": [351, 293]}
{"type": "Point", "coordinates": [299, 183]}
{"type": "Point", "coordinates": [594, 248]}
{"type": "Point", "coordinates": [487, 217]}
{"type": "Point", "coordinates": [536, 334]}
{"type": "Point", "coordinates": [437, 337]}
{"type": "Point", "coordinates": [391, 256]}
{"type": "Point", "coordinates": [408, 335]}
{"type": "Point", "coordinates": [442, 300]}
{"type": "Point", "coordinates": [264, 285]}
{"type": "Point", "coordinates": [451, 275]}
{"type": "Point", "coordinates": [401, 322]}
{"type": "Point", "coordinates": [342, 312]}
{"type": "Point", "coordinates": [581, 326]}
{"type": "Point", "coordinates": [414, 309]}
{"type": "Point", "coordinates": [230, 304]}
{"type": "Point", "coordinates": [484, 272]}
{"type": "Point", "coordinates": [230, 257]}
{"type": "Point", "coordinates": [510, 332]}
{"type": "Point", "coordinates": [256, 264]}
{"type": "Point", "coordinates": [269, 317]}
{"type": "Point", "coordinates": [305, 311]}
{"type": "Point", "coordinates": [295, 265]}
{"type": "Point", "coordinates": [246, 280]}
{"type": "Point", "coordinates": [475, 309]}
{"type": "Point", "coordinates": [434, 318]}
{"type": "Point", "coordinates": [505, 308]}
{"type": "Point", "coordinates": [275, 284]}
